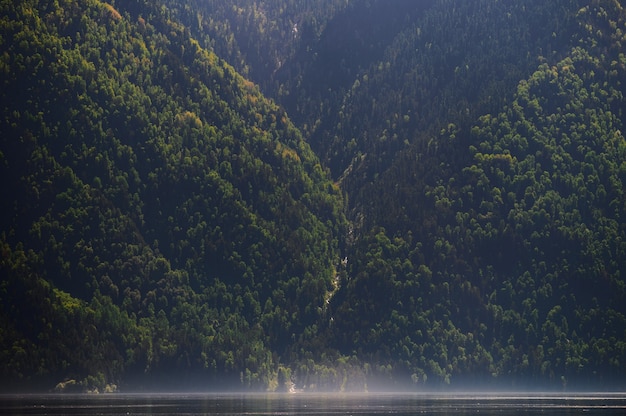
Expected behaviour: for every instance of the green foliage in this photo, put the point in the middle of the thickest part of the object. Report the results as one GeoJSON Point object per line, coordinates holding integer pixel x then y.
{"type": "Point", "coordinates": [164, 225]}
{"type": "Point", "coordinates": [155, 202]}
{"type": "Point", "coordinates": [503, 240]}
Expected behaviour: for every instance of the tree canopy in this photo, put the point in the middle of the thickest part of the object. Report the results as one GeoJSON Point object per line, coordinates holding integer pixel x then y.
{"type": "Point", "coordinates": [333, 195]}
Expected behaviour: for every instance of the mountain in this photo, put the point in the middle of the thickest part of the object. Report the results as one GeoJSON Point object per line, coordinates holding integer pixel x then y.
{"type": "Point", "coordinates": [159, 214]}
{"type": "Point", "coordinates": [331, 195]}
{"type": "Point", "coordinates": [489, 246]}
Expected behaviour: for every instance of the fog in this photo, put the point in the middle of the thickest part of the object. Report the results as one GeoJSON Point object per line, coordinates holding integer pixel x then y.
{"type": "Point", "coordinates": [236, 403]}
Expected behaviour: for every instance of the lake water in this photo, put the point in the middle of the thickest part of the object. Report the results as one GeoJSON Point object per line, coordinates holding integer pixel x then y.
{"type": "Point", "coordinates": [316, 404]}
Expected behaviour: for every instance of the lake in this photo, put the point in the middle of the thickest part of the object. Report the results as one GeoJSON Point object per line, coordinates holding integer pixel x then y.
{"type": "Point", "coordinates": [304, 404]}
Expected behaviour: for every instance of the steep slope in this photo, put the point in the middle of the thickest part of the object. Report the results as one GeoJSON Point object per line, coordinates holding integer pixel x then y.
{"type": "Point", "coordinates": [258, 37]}
{"type": "Point", "coordinates": [455, 62]}
{"type": "Point", "coordinates": [391, 112]}
{"type": "Point", "coordinates": [159, 216]}
{"type": "Point", "coordinates": [306, 55]}
{"type": "Point", "coordinates": [165, 226]}
{"type": "Point", "coordinates": [503, 254]}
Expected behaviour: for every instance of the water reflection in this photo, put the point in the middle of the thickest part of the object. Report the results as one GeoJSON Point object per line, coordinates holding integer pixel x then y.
{"type": "Point", "coordinates": [315, 404]}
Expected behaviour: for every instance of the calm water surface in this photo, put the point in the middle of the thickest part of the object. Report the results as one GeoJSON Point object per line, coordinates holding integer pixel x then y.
{"type": "Point", "coordinates": [316, 404]}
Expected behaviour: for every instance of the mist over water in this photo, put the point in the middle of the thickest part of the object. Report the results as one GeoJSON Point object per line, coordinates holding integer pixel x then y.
{"type": "Point", "coordinates": [317, 404]}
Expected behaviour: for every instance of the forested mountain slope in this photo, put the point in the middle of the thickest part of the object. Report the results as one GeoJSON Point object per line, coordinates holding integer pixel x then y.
{"type": "Point", "coordinates": [497, 251]}
{"type": "Point", "coordinates": [481, 246]}
{"type": "Point", "coordinates": [164, 224]}
{"type": "Point", "coordinates": [306, 55]}
{"type": "Point", "coordinates": [158, 214]}
{"type": "Point", "coordinates": [455, 62]}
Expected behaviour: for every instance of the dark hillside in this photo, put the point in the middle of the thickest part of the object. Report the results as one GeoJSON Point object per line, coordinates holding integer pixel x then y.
{"type": "Point", "coordinates": [503, 252]}
{"type": "Point", "coordinates": [166, 226]}
{"type": "Point", "coordinates": [158, 214]}
{"type": "Point", "coordinates": [451, 64]}
{"type": "Point", "coordinates": [306, 55]}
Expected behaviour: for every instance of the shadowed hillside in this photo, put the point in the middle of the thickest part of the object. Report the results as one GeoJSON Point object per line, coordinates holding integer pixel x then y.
{"type": "Point", "coordinates": [447, 205]}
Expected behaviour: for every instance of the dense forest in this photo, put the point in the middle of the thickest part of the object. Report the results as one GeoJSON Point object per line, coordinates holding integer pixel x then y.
{"type": "Point", "coordinates": [327, 195]}
{"type": "Point", "coordinates": [161, 215]}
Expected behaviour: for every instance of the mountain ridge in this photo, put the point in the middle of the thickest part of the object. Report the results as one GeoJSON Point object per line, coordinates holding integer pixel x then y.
{"type": "Point", "coordinates": [145, 201]}
{"type": "Point", "coordinates": [166, 226]}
